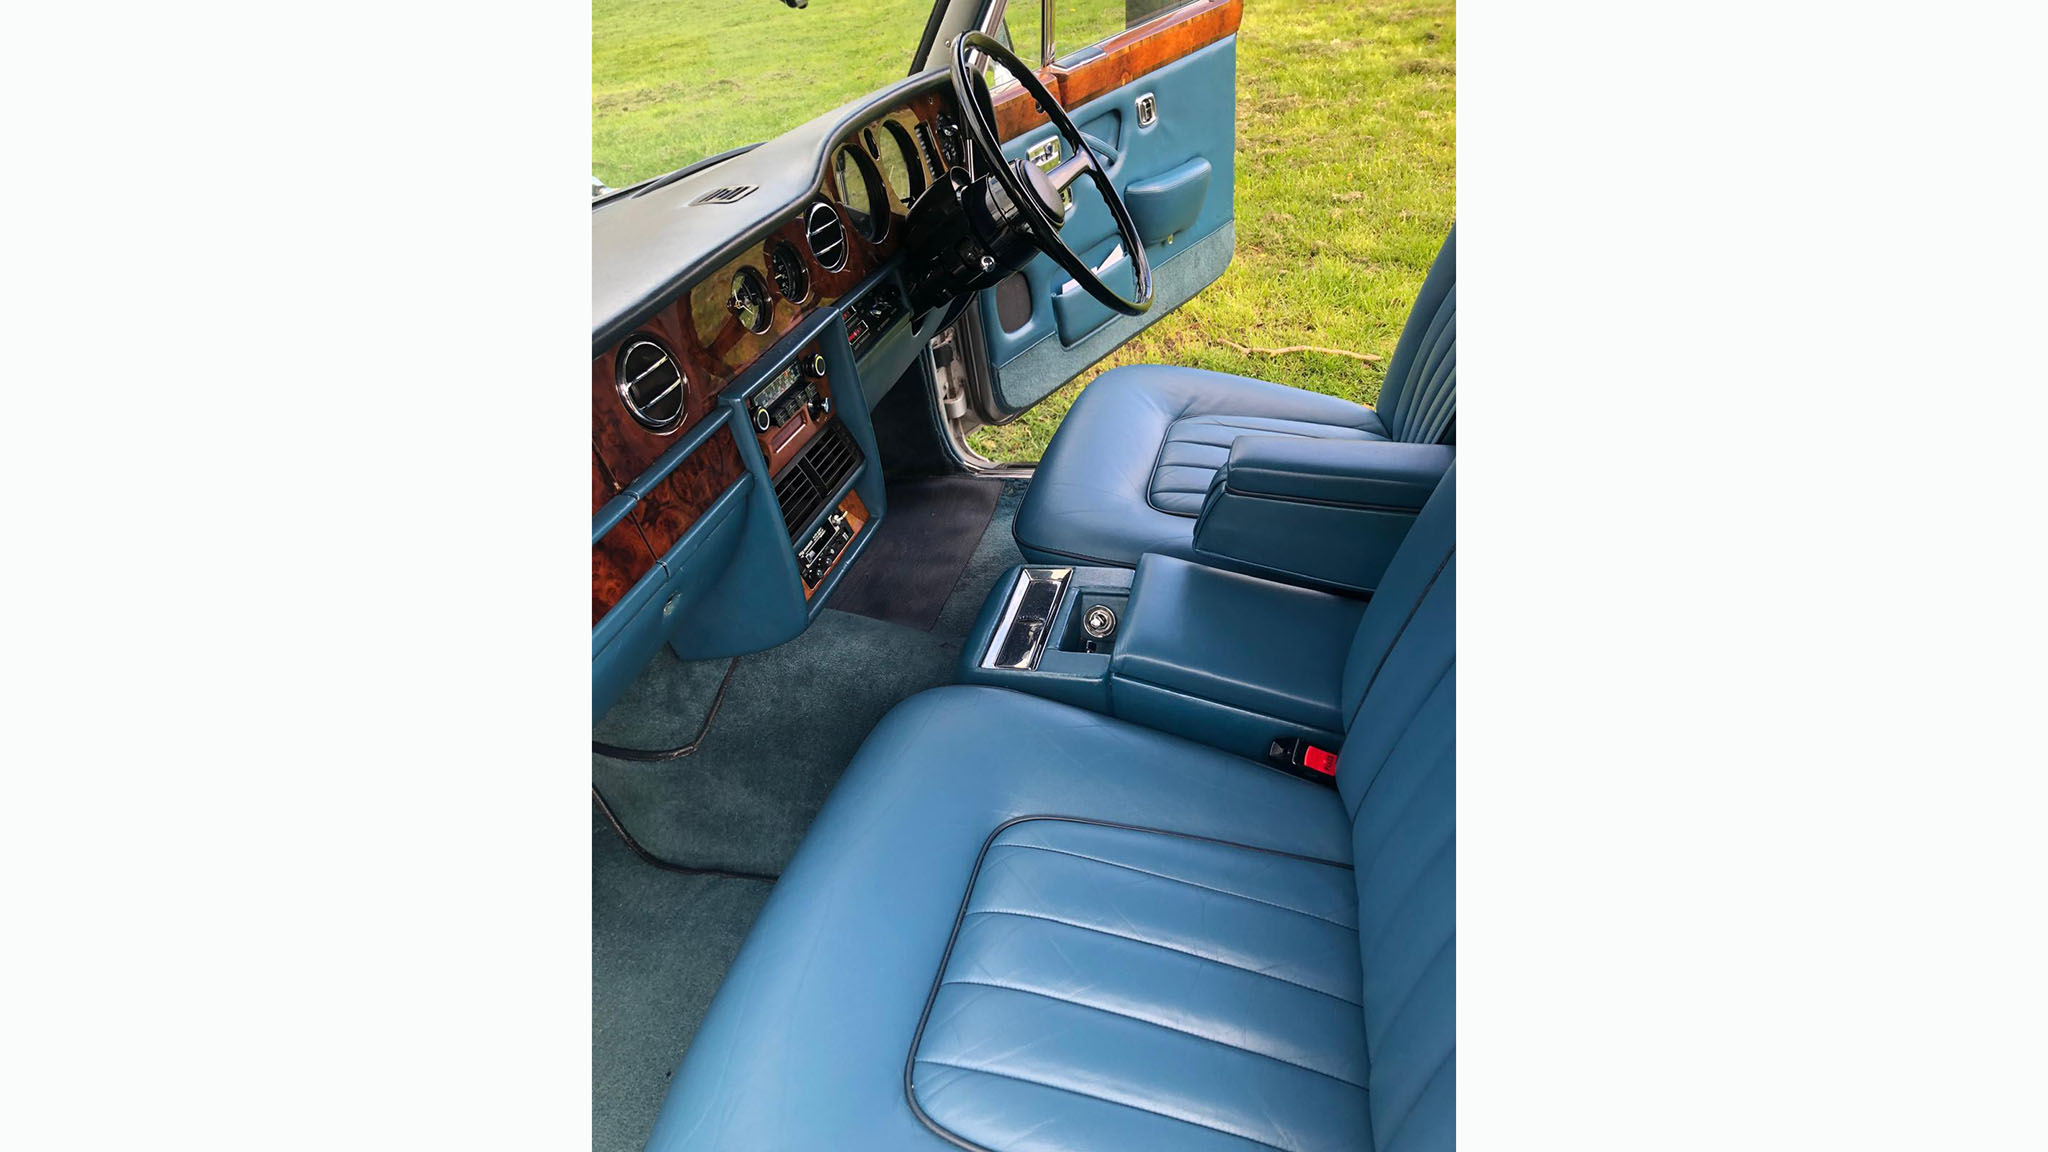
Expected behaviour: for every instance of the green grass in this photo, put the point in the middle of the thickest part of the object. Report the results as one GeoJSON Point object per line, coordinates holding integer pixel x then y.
{"type": "Point", "coordinates": [674, 81]}
{"type": "Point", "coordinates": [1346, 156]}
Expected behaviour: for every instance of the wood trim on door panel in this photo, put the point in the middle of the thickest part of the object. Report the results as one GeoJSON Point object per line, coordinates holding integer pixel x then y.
{"type": "Point", "coordinates": [1125, 57]}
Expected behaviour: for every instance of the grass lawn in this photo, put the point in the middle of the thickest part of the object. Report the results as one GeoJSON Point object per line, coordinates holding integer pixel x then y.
{"type": "Point", "coordinates": [1346, 159]}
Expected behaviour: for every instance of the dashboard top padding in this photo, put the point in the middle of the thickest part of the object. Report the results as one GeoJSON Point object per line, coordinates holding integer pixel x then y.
{"type": "Point", "coordinates": [646, 249]}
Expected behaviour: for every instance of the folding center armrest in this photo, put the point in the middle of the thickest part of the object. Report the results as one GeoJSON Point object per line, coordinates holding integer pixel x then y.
{"type": "Point", "coordinates": [1328, 513]}
{"type": "Point", "coordinates": [1230, 659]}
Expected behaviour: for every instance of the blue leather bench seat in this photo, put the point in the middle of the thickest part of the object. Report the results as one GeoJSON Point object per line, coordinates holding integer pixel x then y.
{"type": "Point", "coordinates": [1018, 925]}
{"type": "Point", "coordinates": [1128, 470]}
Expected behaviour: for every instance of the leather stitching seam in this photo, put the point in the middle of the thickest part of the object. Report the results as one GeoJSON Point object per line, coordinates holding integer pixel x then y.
{"type": "Point", "coordinates": [1158, 1024]}
{"type": "Point", "coordinates": [1157, 944]}
{"type": "Point", "coordinates": [1104, 1099]}
{"type": "Point", "coordinates": [1179, 880]}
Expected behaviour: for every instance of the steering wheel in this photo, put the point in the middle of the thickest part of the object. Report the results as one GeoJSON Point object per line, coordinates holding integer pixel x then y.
{"type": "Point", "coordinates": [1036, 191]}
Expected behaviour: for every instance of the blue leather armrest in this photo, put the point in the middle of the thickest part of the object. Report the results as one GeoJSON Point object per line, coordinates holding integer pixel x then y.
{"type": "Point", "coordinates": [1328, 513]}
{"type": "Point", "coordinates": [1229, 659]}
{"type": "Point", "coordinates": [1170, 202]}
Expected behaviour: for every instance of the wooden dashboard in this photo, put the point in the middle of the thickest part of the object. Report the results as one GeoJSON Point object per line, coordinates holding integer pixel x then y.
{"type": "Point", "coordinates": [713, 347]}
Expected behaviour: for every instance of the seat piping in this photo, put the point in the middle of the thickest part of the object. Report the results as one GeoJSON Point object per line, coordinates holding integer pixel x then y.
{"type": "Point", "coordinates": [1093, 1096]}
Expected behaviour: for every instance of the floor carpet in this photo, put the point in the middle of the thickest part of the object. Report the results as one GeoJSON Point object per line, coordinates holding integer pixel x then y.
{"type": "Point", "coordinates": [661, 941]}
{"type": "Point", "coordinates": [792, 718]}
{"type": "Point", "coordinates": [911, 567]}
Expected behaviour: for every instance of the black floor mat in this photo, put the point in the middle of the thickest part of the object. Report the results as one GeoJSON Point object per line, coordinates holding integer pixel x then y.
{"type": "Point", "coordinates": [927, 536]}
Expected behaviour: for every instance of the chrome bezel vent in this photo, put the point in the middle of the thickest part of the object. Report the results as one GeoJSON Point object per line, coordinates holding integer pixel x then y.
{"type": "Point", "coordinates": [827, 237]}
{"type": "Point", "coordinates": [652, 385]}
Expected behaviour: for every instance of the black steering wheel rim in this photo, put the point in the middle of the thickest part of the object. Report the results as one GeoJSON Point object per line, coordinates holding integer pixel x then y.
{"type": "Point", "coordinates": [972, 92]}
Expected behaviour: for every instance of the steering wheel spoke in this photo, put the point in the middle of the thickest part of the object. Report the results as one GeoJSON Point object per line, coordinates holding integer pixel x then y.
{"type": "Point", "coordinates": [1036, 191]}
{"type": "Point", "coordinates": [1081, 163]}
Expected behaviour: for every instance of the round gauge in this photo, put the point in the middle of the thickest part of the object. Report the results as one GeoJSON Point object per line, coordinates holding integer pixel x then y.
{"type": "Point", "coordinates": [787, 269]}
{"type": "Point", "coordinates": [749, 300]}
{"type": "Point", "coordinates": [862, 192]}
{"type": "Point", "coordinates": [898, 160]}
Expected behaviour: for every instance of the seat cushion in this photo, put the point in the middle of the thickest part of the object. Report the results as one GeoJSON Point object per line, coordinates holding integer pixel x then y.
{"type": "Point", "coordinates": [808, 1041]}
{"type": "Point", "coordinates": [1127, 470]}
{"type": "Point", "coordinates": [1112, 988]}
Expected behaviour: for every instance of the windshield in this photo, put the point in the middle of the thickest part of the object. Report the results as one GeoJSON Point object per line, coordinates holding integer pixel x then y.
{"type": "Point", "coordinates": [674, 81]}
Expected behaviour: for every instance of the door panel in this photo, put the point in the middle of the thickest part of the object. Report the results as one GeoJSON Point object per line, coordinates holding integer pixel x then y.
{"type": "Point", "coordinates": [1177, 174]}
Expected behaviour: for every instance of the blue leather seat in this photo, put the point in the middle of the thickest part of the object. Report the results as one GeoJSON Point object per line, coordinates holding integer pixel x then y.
{"type": "Point", "coordinates": [1128, 469]}
{"type": "Point", "coordinates": [1018, 925]}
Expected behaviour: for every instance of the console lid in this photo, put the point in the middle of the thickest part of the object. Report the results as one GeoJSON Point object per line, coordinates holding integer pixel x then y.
{"type": "Point", "coordinates": [1322, 512]}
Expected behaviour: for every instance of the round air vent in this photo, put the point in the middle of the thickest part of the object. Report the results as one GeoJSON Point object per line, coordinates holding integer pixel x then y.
{"type": "Point", "coordinates": [651, 384]}
{"type": "Point", "coordinates": [826, 236]}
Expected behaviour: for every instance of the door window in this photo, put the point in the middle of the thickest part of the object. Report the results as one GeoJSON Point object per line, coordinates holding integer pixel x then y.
{"type": "Point", "coordinates": [1077, 25]}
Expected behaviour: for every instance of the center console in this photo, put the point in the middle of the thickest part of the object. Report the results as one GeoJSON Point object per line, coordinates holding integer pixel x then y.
{"type": "Point", "coordinates": [812, 459]}
{"type": "Point", "coordinates": [1221, 657]}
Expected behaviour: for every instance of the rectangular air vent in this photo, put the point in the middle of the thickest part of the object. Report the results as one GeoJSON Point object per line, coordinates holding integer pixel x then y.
{"type": "Point", "coordinates": [815, 476]}
{"type": "Point", "coordinates": [726, 195]}
{"type": "Point", "coordinates": [931, 154]}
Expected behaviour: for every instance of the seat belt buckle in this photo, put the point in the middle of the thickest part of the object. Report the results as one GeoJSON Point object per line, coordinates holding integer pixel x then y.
{"type": "Point", "coordinates": [1297, 757]}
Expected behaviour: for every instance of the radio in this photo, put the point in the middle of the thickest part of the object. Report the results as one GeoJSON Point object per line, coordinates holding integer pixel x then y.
{"type": "Point", "coordinates": [814, 560]}
{"type": "Point", "coordinates": [793, 389]}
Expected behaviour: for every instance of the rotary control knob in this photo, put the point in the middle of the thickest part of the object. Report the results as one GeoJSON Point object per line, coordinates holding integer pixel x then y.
{"type": "Point", "coordinates": [821, 407]}
{"type": "Point", "coordinates": [762, 420]}
{"type": "Point", "coordinates": [817, 365]}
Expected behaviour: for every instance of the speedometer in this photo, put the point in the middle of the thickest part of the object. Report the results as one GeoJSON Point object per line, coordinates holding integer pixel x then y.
{"type": "Point", "coordinates": [862, 192]}
{"type": "Point", "coordinates": [897, 154]}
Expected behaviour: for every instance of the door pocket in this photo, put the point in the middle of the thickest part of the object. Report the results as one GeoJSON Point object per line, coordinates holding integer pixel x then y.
{"type": "Point", "coordinates": [1170, 202]}
{"type": "Point", "coordinates": [1079, 314]}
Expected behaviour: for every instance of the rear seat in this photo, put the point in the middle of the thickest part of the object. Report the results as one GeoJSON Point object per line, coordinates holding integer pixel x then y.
{"type": "Point", "coordinates": [1017, 925]}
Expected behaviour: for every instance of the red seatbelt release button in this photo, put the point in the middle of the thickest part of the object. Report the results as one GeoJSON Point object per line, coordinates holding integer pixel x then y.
{"type": "Point", "coordinates": [1298, 757]}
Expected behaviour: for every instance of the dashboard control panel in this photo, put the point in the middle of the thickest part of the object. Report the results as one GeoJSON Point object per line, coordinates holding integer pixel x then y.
{"type": "Point", "coordinates": [869, 316]}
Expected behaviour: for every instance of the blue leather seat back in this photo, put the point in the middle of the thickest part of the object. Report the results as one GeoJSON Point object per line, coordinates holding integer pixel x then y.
{"type": "Point", "coordinates": [1397, 776]}
{"type": "Point", "coordinates": [1419, 398]}
{"type": "Point", "coordinates": [1430, 546]}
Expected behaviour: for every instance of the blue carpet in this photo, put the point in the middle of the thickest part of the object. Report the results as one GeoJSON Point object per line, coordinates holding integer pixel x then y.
{"type": "Point", "coordinates": [661, 941]}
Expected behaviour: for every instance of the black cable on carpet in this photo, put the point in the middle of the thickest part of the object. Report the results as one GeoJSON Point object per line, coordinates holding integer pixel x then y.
{"type": "Point", "coordinates": [633, 846]}
{"type": "Point", "coordinates": [646, 756]}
